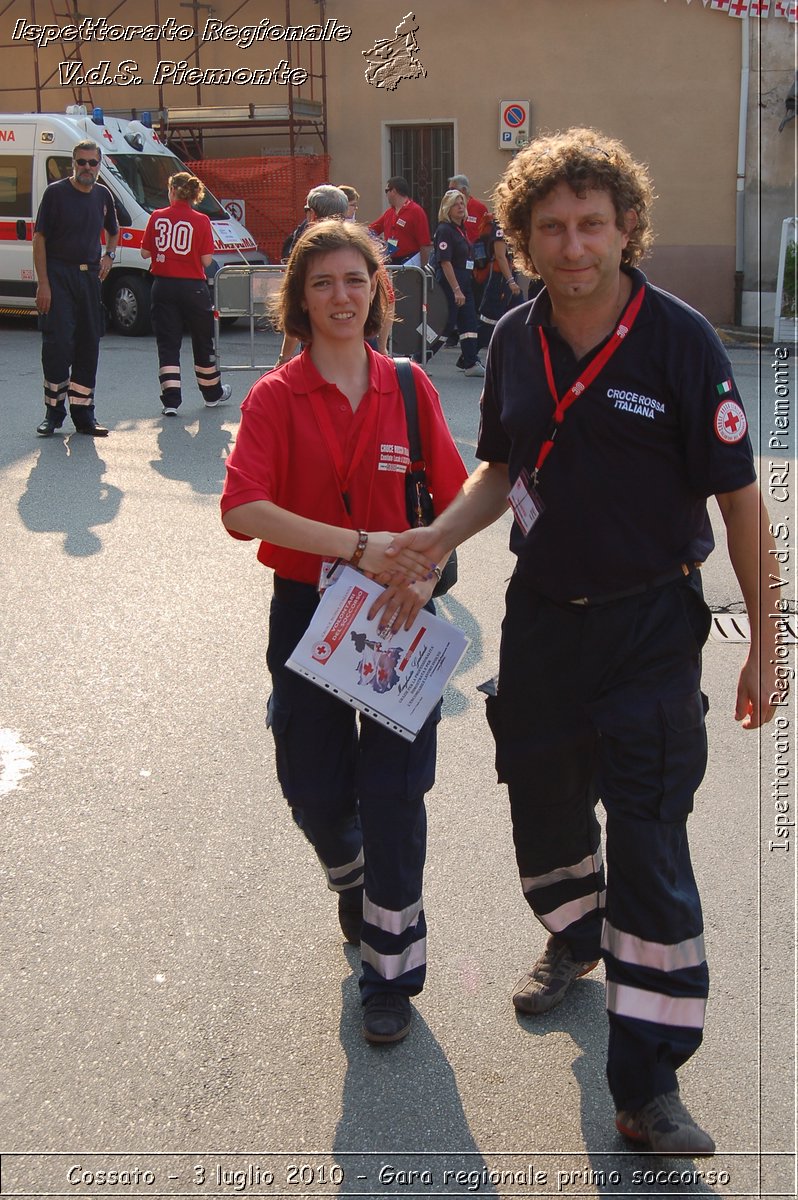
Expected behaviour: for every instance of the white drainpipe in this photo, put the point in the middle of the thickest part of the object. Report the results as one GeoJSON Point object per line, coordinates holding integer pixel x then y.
{"type": "Point", "coordinates": [739, 261]}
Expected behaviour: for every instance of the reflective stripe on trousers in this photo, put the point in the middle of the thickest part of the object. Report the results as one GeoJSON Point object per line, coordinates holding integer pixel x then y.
{"type": "Point", "coordinates": [616, 713]}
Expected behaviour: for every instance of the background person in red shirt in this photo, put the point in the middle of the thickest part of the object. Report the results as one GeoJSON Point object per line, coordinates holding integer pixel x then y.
{"type": "Point", "coordinates": [318, 474]}
{"type": "Point", "coordinates": [180, 243]}
{"type": "Point", "coordinates": [404, 226]}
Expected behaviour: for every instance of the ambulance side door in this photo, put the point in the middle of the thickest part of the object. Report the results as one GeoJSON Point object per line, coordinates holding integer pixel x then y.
{"type": "Point", "coordinates": [17, 279]}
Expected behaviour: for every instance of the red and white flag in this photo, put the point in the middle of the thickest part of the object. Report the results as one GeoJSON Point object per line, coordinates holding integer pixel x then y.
{"type": "Point", "coordinates": [719, 5]}
{"type": "Point", "coordinates": [760, 8]}
{"type": "Point", "coordinates": [792, 12]}
{"type": "Point", "coordinates": [780, 9]}
{"type": "Point", "coordinates": [739, 8]}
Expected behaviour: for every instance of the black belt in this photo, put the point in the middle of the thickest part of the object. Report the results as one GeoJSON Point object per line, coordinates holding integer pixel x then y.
{"type": "Point", "coordinates": [679, 572]}
{"type": "Point", "coordinates": [80, 266]}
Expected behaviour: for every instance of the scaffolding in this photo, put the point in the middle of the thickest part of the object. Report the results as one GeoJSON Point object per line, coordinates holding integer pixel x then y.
{"type": "Point", "coordinates": [303, 112]}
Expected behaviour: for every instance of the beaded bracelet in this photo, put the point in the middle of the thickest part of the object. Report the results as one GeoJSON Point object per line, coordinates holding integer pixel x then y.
{"type": "Point", "coordinates": [360, 549]}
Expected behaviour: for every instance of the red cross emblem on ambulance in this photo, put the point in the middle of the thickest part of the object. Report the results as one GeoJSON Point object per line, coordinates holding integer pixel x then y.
{"type": "Point", "coordinates": [730, 422]}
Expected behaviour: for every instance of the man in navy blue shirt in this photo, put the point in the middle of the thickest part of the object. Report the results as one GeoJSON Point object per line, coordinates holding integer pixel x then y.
{"type": "Point", "coordinates": [609, 415]}
{"type": "Point", "coordinates": [70, 265]}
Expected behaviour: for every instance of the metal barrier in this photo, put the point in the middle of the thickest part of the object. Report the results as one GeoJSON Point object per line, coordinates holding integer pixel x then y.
{"type": "Point", "coordinates": [243, 290]}
{"type": "Point", "coordinates": [421, 309]}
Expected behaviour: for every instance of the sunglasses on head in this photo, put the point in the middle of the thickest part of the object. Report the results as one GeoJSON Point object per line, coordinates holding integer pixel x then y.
{"type": "Point", "coordinates": [88, 162]}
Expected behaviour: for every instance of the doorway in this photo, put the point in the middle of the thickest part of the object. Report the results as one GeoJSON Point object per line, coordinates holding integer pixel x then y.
{"type": "Point", "coordinates": [424, 156]}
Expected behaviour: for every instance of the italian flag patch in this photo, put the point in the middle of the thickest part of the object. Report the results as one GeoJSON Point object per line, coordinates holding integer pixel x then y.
{"type": "Point", "coordinates": [725, 388]}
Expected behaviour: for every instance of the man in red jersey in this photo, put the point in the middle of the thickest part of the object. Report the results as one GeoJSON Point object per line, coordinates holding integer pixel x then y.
{"type": "Point", "coordinates": [404, 226]}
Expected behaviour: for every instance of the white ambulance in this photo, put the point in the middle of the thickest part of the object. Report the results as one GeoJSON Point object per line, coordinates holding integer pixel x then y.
{"type": "Point", "coordinates": [36, 150]}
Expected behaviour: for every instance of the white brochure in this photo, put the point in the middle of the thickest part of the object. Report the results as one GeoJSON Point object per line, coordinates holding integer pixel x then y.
{"type": "Point", "coordinates": [395, 678]}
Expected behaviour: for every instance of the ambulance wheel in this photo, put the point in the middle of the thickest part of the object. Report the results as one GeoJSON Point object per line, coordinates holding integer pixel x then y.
{"type": "Point", "coordinates": [128, 301]}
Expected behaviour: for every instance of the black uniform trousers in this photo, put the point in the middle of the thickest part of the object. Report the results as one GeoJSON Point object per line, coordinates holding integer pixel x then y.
{"type": "Point", "coordinates": [357, 794]}
{"type": "Point", "coordinates": [71, 333]}
{"type": "Point", "coordinates": [603, 702]}
{"type": "Point", "coordinates": [497, 299]}
{"type": "Point", "coordinates": [177, 304]}
{"type": "Point", "coordinates": [463, 317]}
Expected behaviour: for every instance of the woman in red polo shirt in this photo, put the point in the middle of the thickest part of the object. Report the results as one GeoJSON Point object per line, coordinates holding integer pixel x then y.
{"type": "Point", "coordinates": [317, 473]}
{"type": "Point", "coordinates": [180, 243]}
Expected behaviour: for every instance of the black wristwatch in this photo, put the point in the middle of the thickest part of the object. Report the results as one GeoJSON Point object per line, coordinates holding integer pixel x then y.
{"type": "Point", "coordinates": [110, 254]}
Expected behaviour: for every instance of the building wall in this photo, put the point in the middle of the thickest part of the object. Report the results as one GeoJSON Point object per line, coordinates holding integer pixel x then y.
{"type": "Point", "coordinates": [770, 166]}
{"type": "Point", "coordinates": [664, 77]}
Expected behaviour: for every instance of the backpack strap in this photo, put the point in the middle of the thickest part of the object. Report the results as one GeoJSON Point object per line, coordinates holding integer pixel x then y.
{"type": "Point", "coordinates": [407, 383]}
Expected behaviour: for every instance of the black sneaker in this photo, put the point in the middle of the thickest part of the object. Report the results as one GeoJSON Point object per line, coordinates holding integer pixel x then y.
{"type": "Point", "coordinates": [666, 1126]}
{"type": "Point", "coordinates": [92, 430]}
{"type": "Point", "coordinates": [48, 427]}
{"type": "Point", "coordinates": [85, 422]}
{"type": "Point", "coordinates": [452, 341]}
{"type": "Point", "coordinates": [387, 1017]}
{"type": "Point", "coordinates": [350, 914]}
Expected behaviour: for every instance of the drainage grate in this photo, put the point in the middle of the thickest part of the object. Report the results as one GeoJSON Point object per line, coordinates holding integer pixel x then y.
{"type": "Point", "coordinates": [730, 627]}
{"type": "Point", "coordinates": [734, 627]}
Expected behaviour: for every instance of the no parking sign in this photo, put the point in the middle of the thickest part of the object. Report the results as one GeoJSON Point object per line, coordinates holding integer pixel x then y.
{"type": "Point", "coordinates": [513, 124]}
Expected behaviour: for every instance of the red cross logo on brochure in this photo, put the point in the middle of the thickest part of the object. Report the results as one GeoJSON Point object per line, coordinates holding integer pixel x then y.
{"type": "Point", "coordinates": [322, 651]}
{"type": "Point", "coordinates": [108, 135]}
{"type": "Point", "coordinates": [730, 422]}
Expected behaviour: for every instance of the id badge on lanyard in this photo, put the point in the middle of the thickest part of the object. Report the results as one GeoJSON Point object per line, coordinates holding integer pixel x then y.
{"type": "Point", "coordinates": [331, 568]}
{"type": "Point", "coordinates": [524, 497]}
{"type": "Point", "coordinates": [525, 502]}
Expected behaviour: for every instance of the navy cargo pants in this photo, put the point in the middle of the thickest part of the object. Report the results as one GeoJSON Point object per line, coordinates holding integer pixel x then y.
{"type": "Point", "coordinates": [603, 702]}
{"type": "Point", "coordinates": [175, 304]}
{"type": "Point", "coordinates": [357, 793]}
{"type": "Point", "coordinates": [71, 333]}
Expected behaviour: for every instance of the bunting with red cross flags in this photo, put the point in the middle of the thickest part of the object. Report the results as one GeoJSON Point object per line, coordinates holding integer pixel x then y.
{"type": "Point", "coordinates": [761, 9]}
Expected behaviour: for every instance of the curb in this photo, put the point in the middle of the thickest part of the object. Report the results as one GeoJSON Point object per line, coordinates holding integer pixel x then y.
{"type": "Point", "coordinates": [738, 336]}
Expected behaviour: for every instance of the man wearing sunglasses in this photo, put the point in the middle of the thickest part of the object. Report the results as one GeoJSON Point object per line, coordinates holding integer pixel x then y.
{"type": "Point", "coordinates": [404, 226]}
{"type": "Point", "coordinates": [70, 265]}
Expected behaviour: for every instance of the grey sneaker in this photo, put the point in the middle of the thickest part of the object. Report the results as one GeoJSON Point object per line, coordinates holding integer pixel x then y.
{"type": "Point", "coordinates": [477, 370]}
{"type": "Point", "coordinates": [169, 411]}
{"type": "Point", "coordinates": [666, 1125]}
{"type": "Point", "coordinates": [545, 984]}
{"type": "Point", "coordinates": [227, 392]}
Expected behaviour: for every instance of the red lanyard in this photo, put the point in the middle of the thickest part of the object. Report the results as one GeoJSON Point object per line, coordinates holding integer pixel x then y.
{"type": "Point", "coordinates": [344, 472]}
{"type": "Point", "coordinates": [593, 368]}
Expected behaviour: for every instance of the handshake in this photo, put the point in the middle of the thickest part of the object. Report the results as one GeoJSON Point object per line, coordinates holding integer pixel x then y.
{"type": "Point", "coordinates": [409, 566]}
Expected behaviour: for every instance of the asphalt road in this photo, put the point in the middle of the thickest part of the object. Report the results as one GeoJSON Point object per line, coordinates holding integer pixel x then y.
{"type": "Point", "coordinates": [178, 1004]}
